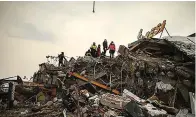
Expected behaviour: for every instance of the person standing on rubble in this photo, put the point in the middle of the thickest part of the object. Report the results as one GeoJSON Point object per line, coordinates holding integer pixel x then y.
{"type": "Point", "coordinates": [112, 49]}
{"type": "Point", "coordinates": [105, 46]}
{"type": "Point", "coordinates": [99, 51]}
{"type": "Point", "coordinates": [61, 57]}
{"type": "Point", "coordinates": [140, 36]}
{"type": "Point", "coordinates": [88, 53]}
{"type": "Point", "coordinates": [93, 49]}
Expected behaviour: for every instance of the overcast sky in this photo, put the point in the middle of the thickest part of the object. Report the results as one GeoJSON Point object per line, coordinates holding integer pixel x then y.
{"type": "Point", "coordinates": [31, 30]}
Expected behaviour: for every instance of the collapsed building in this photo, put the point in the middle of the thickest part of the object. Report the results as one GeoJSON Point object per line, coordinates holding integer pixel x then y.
{"type": "Point", "coordinates": [151, 77]}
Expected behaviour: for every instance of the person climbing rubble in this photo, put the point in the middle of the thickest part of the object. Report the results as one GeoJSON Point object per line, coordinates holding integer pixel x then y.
{"type": "Point", "coordinates": [112, 49]}
{"type": "Point", "coordinates": [88, 53]}
{"type": "Point", "coordinates": [61, 57]}
{"type": "Point", "coordinates": [105, 46]}
{"type": "Point", "coordinates": [93, 49]}
{"type": "Point", "coordinates": [99, 51]}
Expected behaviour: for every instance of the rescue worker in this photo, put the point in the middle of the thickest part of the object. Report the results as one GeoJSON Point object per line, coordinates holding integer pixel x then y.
{"type": "Point", "coordinates": [88, 53]}
{"type": "Point", "coordinates": [112, 49]}
{"type": "Point", "coordinates": [147, 34]}
{"type": "Point", "coordinates": [93, 49]}
{"type": "Point", "coordinates": [61, 57]}
{"type": "Point", "coordinates": [99, 51]}
{"type": "Point", "coordinates": [105, 46]}
{"type": "Point", "coordinates": [140, 36]}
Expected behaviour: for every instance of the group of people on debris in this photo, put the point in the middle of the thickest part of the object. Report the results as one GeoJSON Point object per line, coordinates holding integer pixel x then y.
{"type": "Point", "coordinates": [95, 51]}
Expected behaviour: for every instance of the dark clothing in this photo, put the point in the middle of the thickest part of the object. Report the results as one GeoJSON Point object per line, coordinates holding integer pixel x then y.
{"type": "Point", "coordinates": [60, 63]}
{"type": "Point", "coordinates": [105, 46]}
{"type": "Point", "coordinates": [93, 52]}
{"type": "Point", "coordinates": [61, 57]}
{"type": "Point", "coordinates": [104, 51]}
{"type": "Point", "coordinates": [88, 53]}
{"type": "Point", "coordinates": [112, 53]}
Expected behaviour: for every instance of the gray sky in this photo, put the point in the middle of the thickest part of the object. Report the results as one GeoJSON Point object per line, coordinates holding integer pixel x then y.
{"type": "Point", "coordinates": [31, 30]}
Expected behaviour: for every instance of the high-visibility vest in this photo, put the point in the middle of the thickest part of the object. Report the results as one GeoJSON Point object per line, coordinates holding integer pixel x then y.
{"type": "Point", "coordinates": [94, 47]}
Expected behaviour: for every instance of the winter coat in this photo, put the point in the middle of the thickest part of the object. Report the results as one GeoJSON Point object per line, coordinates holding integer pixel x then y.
{"type": "Point", "coordinates": [105, 44]}
{"type": "Point", "coordinates": [112, 47]}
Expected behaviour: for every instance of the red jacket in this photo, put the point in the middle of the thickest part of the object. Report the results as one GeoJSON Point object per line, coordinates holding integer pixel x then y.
{"type": "Point", "coordinates": [112, 47]}
{"type": "Point", "coordinates": [98, 51]}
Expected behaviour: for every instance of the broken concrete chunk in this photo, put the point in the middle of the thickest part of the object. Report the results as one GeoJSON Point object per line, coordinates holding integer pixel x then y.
{"type": "Point", "coordinates": [133, 109]}
{"type": "Point", "coordinates": [128, 94]}
{"type": "Point", "coordinates": [123, 50]}
{"type": "Point", "coordinates": [94, 100]}
{"type": "Point", "coordinates": [153, 111]}
{"type": "Point", "coordinates": [192, 101]}
{"type": "Point", "coordinates": [114, 101]}
{"type": "Point", "coordinates": [110, 113]}
{"type": "Point", "coordinates": [164, 87]}
{"type": "Point", "coordinates": [182, 113]}
{"type": "Point", "coordinates": [184, 92]}
{"type": "Point", "coordinates": [25, 112]}
{"type": "Point", "coordinates": [49, 103]}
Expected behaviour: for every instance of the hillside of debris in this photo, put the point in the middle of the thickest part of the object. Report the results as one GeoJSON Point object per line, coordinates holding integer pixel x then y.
{"type": "Point", "coordinates": [149, 78]}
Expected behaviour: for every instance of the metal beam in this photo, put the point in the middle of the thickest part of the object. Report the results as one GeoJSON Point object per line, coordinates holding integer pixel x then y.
{"type": "Point", "coordinates": [94, 83]}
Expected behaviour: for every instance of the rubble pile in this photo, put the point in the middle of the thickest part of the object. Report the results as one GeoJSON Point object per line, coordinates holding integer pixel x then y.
{"type": "Point", "coordinates": [152, 77]}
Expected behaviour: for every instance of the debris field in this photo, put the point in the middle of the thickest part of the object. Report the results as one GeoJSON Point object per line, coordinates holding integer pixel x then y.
{"type": "Point", "coordinates": [149, 78]}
